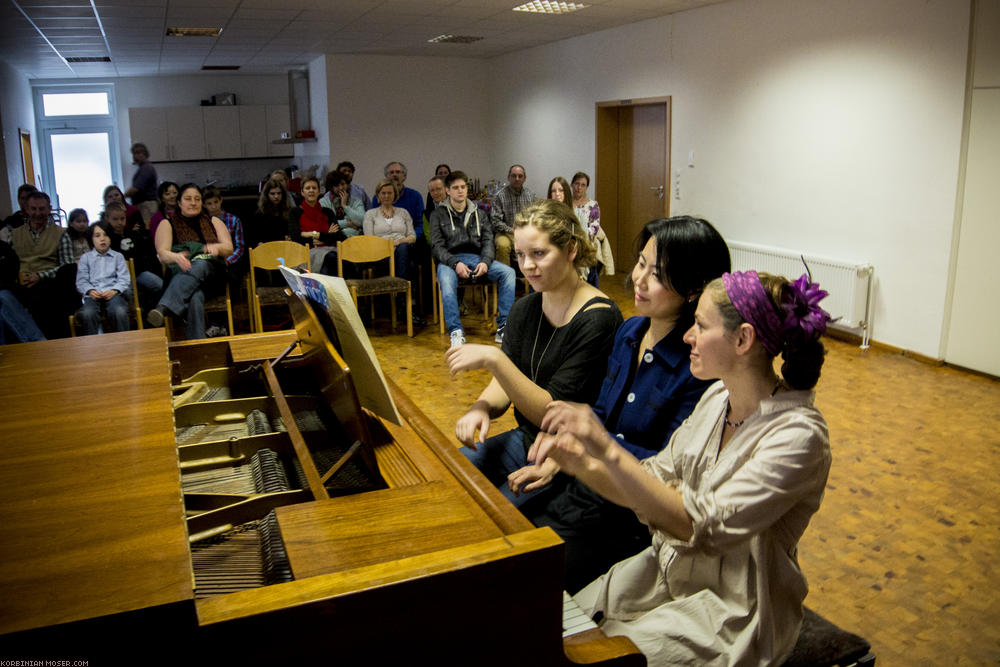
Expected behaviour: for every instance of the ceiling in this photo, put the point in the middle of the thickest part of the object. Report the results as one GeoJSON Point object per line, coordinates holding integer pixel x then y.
{"type": "Point", "coordinates": [38, 36]}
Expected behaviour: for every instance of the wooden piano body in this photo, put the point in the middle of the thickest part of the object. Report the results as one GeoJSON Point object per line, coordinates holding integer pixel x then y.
{"type": "Point", "coordinates": [435, 567]}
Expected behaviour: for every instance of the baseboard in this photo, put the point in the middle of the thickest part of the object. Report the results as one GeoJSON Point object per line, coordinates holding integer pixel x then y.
{"type": "Point", "coordinates": [849, 337]}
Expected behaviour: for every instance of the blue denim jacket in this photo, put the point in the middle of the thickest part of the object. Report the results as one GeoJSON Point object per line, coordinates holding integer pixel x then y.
{"type": "Point", "coordinates": [643, 414]}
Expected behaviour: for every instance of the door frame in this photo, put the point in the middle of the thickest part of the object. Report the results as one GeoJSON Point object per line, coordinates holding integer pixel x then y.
{"type": "Point", "coordinates": [606, 162]}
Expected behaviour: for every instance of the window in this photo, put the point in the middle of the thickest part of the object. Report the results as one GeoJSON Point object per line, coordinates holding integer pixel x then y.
{"type": "Point", "coordinates": [75, 104]}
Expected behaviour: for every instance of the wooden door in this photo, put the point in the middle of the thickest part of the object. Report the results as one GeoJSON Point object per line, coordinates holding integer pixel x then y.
{"type": "Point", "coordinates": [633, 167]}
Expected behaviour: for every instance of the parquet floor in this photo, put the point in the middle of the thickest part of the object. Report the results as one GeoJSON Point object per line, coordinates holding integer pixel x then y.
{"type": "Point", "coordinates": [905, 545]}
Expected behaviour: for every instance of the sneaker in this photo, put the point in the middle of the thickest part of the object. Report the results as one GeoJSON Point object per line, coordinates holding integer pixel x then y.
{"type": "Point", "coordinates": [499, 337]}
{"type": "Point", "coordinates": [155, 318]}
{"type": "Point", "coordinates": [457, 338]}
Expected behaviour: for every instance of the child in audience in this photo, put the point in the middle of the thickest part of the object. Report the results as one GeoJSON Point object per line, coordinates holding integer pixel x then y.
{"type": "Point", "coordinates": [79, 232]}
{"type": "Point", "coordinates": [166, 195]}
{"type": "Point", "coordinates": [136, 244]}
{"type": "Point", "coordinates": [213, 204]}
{"type": "Point", "coordinates": [102, 279]}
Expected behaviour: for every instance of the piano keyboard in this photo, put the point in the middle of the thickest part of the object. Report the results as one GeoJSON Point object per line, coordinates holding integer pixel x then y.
{"type": "Point", "coordinates": [574, 620]}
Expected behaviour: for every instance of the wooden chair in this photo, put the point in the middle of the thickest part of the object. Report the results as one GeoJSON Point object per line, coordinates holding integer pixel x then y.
{"type": "Point", "coordinates": [219, 303]}
{"type": "Point", "coordinates": [489, 290]}
{"type": "Point", "coordinates": [363, 249]}
{"type": "Point", "coordinates": [269, 256]}
{"type": "Point", "coordinates": [136, 310]}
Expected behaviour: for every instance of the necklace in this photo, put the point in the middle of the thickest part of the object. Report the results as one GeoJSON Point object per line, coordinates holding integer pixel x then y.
{"type": "Point", "coordinates": [729, 407]}
{"type": "Point", "coordinates": [532, 365]}
{"type": "Point", "coordinates": [389, 215]}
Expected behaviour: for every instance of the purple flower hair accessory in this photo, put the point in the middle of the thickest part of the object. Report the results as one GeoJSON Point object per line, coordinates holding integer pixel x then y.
{"type": "Point", "coordinates": [800, 303]}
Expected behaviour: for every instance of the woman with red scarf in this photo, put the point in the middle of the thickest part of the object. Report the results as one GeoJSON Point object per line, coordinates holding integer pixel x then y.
{"type": "Point", "coordinates": [318, 226]}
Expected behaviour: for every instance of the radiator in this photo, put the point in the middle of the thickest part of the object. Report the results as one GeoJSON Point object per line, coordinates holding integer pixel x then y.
{"type": "Point", "coordinates": [850, 285]}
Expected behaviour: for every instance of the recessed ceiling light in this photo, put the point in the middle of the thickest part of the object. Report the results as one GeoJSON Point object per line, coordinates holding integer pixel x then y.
{"type": "Point", "coordinates": [193, 32]}
{"type": "Point", "coordinates": [454, 39]}
{"type": "Point", "coordinates": [549, 7]}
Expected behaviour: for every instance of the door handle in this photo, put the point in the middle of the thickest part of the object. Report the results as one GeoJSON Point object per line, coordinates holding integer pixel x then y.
{"type": "Point", "coordinates": [659, 191]}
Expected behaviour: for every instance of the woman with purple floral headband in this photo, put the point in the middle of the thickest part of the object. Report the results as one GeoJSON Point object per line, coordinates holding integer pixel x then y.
{"type": "Point", "coordinates": [729, 497]}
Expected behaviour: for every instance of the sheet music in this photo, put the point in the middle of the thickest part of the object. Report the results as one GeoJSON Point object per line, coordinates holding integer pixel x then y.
{"type": "Point", "coordinates": [574, 620]}
{"type": "Point", "coordinates": [332, 293]}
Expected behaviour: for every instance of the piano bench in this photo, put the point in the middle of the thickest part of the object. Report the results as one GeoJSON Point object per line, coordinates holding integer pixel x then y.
{"type": "Point", "coordinates": [823, 644]}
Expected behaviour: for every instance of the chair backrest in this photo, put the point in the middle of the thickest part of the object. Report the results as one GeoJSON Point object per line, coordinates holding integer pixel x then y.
{"type": "Point", "coordinates": [135, 292]}
{"type": "Point", "coordinates": [271, 255]}
{"type": "Point", "coordinates": [365, 248]}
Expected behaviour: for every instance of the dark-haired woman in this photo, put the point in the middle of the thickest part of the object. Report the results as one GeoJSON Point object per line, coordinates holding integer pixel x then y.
{"type": "Point", "coordinates": [194, 246]}
{"type": "Point", "coordinates": [270, 221]}
{"type": "Point", "coordinates": [166, 196]}
{"type": "Point", "coordinates": [348, 210]}
{"type": "Point", "coordinates": [729, 497]}
{"type": "Point", "coordinates": [647, 392]}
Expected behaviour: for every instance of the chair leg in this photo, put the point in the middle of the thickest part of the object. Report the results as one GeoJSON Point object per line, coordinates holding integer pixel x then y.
{"type": "Point", "coordinates": [72, 326]}
{"type": "Point", "coordinates": [392, 309]}
{"type": "Point", "coordinates": [409, 314]}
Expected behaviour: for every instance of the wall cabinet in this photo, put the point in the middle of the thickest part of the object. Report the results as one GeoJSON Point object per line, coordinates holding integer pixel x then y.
{"type": "Point", "coordinates": [211, 133]}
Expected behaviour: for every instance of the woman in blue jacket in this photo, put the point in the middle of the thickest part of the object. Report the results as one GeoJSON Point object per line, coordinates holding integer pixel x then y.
{"type": "Point", "coordinates": [647, 392]}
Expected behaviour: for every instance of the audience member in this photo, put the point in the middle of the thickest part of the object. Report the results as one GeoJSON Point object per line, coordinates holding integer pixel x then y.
{"type": "Point", "coordinates": [440, 172]}
{"type": "Point", "coordinates": [270, 221]}
{"type": "Point", "coordinates": [136, 244]}
{"type": "Point", "coordinates": [133, 217]}
{"type": "Point", "coordinates": [20, 216]}
{"type": "Point", "coordinates": [16, 323]}
{"type": "Point", "coordinates": [143, 192]}
{"type": "Point", "coordinates": [552, 339]}
{"type": "Point", "coordinates": [731, 494]}
{"type": "Point", "coordinates": [294, 198]}
{"type": "Point", "coordinates": [48, 270]}
{"type": "Point", "coordinates": [589, 214]}
{"type": "Point", "coordinates": [461, 241]}
{"type": "Point", "coordinates": [102, 278]}
{"type": "Point", "coordinates": [357, 192]}
{"type": "Point", "coordinates": [676, 258]}
{"type": "Point", "coordinates": [506, 205]}
{"type": "Point", "coordinates": [392, 222]}
{"type": "Point", "coordinates": [314, 224]}
{"type": "Point", "coordinates": [348, 210]}
{"type": "Point", "coordinates": [212, 202]}
{"type": "Point", "coordinates": [194, 245]}
{"type": "Point", "coordinates": [78, 230]}
{"type": "Point", "coordinates": [166, 196]}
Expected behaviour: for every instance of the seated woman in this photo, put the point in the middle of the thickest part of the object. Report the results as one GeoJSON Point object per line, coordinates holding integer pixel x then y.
{"type": "Point", "coordinates": [589, 214]}
{"type": "Point", "coordinates": [551, 339]}
{"type": "Point", "coordinates": [647, 392]}
{"type": "Point", "coordinates": [348, 211]}
{"type": "Point", "coordinates": [133, 216]}
{"type": "Point", "coordinates": [392, 222]}
{"type": "Point", "coordinates": [78, 231]}
{"type": "Point", "coordinates": [270, 221]}
{"type": "Point", "coordinates": [311, 223]}
{"type": "Point", "coordinates": [166, 196]}
{"type": "Point", "coordinates": [729, 497]}
{"type": "Point", "coordinates": [194, 246]}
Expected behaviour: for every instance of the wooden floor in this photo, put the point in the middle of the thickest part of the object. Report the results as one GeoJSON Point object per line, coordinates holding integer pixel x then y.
{"type": "Point", "coordinates": [905, 545]}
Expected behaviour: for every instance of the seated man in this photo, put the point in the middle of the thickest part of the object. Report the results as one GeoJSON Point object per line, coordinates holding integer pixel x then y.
{"type": "Point", "coordinates": [48, 268]}
{"type": "Point", "coordinates": [462, 244]}
{"type": "Point", "coordinates": [16, 325]}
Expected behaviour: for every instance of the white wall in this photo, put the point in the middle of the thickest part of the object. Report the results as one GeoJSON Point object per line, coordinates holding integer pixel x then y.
{"type": "Point", "coordinates": [16, 112]}
{"type": "Point", "coordinates": [420, 111]}
{"type": "Point", "coordinates": [829, 127]}
{"type": "Point", "coordinates": [318, 153]}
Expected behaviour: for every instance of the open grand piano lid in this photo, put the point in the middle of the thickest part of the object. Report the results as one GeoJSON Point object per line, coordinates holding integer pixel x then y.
{"type": "Point", "coordinates": [330, 299]}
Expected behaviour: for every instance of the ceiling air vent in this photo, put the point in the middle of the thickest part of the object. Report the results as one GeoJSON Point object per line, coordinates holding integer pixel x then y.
{"type": "Point", "coordinates": [206, 68]}
{"type": "Point", "coordinates": [454, 39]}
{"type": "Point", "coordinates": [89, 59]}
{"type": "Point", "coordinates": [193, 32]}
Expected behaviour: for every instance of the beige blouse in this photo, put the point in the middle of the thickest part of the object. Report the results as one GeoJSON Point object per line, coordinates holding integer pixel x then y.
{"type": "Point", "coordinates": [732, 594]}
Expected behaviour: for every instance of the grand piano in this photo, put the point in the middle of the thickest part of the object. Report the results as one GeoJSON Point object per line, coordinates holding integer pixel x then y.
{"type": "Point", "coordinates": [129, 518]}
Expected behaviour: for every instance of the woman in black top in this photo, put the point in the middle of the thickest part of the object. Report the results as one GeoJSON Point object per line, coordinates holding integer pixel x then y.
{"type": "Point", "coordinates": [555, 345]}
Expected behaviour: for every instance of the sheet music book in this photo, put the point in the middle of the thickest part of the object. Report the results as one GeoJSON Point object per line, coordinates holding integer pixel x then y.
{"type": "Point", "coordinates": [332, 294]}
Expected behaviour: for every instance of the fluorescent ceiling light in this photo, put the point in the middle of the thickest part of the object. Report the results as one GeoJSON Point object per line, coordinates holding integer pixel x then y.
{"type": "Point", "coordinates": [193, 32]}
{"type": "Point", "coordinates": [549, 7]}
{"type": "Point", "coordinates": [454, 39]}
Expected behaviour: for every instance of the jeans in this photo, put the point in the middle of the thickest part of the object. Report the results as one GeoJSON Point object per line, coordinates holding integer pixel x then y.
{"type": "Point", "coordinates": [16, 324]}
{"type": "Point", "coordinates": [185, 297]}
{"type": "Point", "coordinates": [150, 288]}
{"type": "Point", "coordinates": [498, 273]}
{"type": "Point", "coordinates": [89, 315]}
{"type": "Point", "coordinates": [499, 456]}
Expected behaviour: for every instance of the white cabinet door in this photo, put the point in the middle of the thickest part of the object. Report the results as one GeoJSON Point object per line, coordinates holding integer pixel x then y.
{"type": "Point", "coordinates": [253, 130]}
{"type": "Point", "coordinates": [278, 122]}
{"type": "Point", "coordinates": [186, 130]}
{"type": "Point", "coordinates": [148, 125]}
{"type": "Point", "coordinates": [222, 132]}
